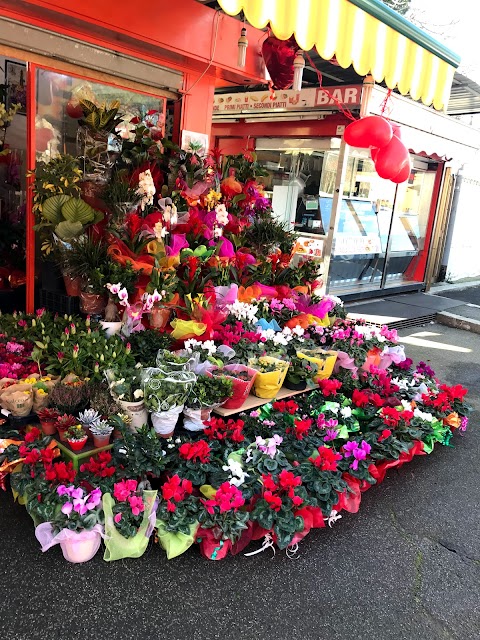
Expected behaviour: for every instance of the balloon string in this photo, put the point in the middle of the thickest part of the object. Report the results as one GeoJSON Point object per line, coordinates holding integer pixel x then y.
{"type": "Point", "coordinates": [346, 112]}
{"type": "Point", "coordinates": [385, 102]}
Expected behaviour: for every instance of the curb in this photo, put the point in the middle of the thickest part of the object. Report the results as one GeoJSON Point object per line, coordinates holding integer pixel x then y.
{"type": "Point", "coordinates": [458, 322]}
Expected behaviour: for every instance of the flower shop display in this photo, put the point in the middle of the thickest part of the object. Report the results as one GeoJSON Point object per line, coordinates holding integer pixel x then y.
{"type": "Point", "coordinates": [208, 307]}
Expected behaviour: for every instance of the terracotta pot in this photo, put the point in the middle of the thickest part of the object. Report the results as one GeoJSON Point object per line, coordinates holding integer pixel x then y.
{"type": "Point", "coordinates": [159, 316]}
{"type": "Point", "coordinates": [101, 441]}
{"type": "Point", "coordinates": [49, 428]}
{"type": "Point", "coordinates": [92, 303]}
{"type": "Point", "coordinates": [77, 445]}
{"type": "Point", "coordinates": [62, 434]}
{"type": "Point", "coordinates": [72, 285]}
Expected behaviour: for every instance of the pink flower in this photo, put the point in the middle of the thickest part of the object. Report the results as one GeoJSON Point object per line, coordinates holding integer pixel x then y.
{"type": "Point", "coordinates": [117, 517]}
{"type": "Point", "coordinates": [120, 491]}
{"type": "Point", "coordinates": [136, 505]}
{"type": "Point", "coordinates": [67, 508]}
{"type": "Point", "coordinates": [80, 507]}
{"type": "Point", "coordinates": [131, 485]}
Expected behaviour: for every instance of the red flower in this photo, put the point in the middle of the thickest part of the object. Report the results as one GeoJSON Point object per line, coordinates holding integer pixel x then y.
{"type": "Point", "coordinates": [176, 489]}
{"type": "Point", "coordinates": [329, 387]}
{"type": "Point", "coordinates": [327, 459]}
{"type": "Point", "coordinates": [269, 483]}
{"type": "Point", "coordinates": [195, 451]}
{"type": "Point", "coordinates": [218, 429]}
{"type": "Point", "coordinates": [288, 406]}
{"type": "Point", "coordinates": [359, 398]}
{"type": "Point", "coordinates": [32, 457]}
{"type": "Point", "coordinates": [297, 501]}
{"type": "Point", "coordinates": [274, 501]}
{"type": "Point", "coordinates": [32, 435]}
{"type": "Point", "coordinates": [456, 392]}
{"type": "Point", "coordinates": [47, 456]}
{"type": "Point", "coordinates": [386, 433]}
{"type": "Point", "coordinates": [171, 506]}
{"type": "Point", "coordinates": [301, 428]}
{"type": "Point", "coordinates": [390, 416]}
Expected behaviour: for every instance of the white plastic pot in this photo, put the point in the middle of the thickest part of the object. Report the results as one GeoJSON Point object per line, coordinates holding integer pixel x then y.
{"type": "Point", "coordinates": [193, 419]}
{"type": "Point", "coordinates": [111, 328]}
{"type": "Point", "coordinates": [164, 422]}
{"type": "Point", "coordinates": [137, 413]}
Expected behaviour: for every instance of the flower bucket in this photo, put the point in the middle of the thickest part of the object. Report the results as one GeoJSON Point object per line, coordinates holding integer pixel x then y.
{"type": "Point", "coordinates": [164, 422]}
{"type": "Point", "coordinates": [175, 543]}
{"type": "Point", "coordinates": [111, 328]}
{"type": "Point", "coordinates": [267, 385]}
{"type": "Point", "coordinates": [49, 428]}
{"type": "Point", "coordinates": [241, 388]}
{"type": "Point", "coordinates": [193, 419]}
{"type": "Point", "coordinates": [72, 285]}
{"type": "Point", "coordinates": [92, 303]}
{"type": "Point", "coordinates": [295, 386]}
{"type": "Point", "coordinates": [137, 413]}
{"type": "Point", "coordinates": [77, 445]}
{"type": "Point", "coordinates": [325, 361]}
{"type": "Point", "coordinates": [77, 546]}
{"type": "Point", "coordinates": [118, 547]}
{"type": "Point", "coordinates": [159, 316]}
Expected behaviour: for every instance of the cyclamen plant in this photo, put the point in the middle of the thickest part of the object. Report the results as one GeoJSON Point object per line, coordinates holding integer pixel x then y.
{"type": "Point", "coordinates": [221, 513]}
{"type": "Point", "coordinates": [80, 510]}
{"type": "Point", "coordinates": [129, 507]}
{"type": "Point", "coordinates": [179, 508]}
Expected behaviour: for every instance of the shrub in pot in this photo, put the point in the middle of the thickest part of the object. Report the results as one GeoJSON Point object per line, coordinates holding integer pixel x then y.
{"type": "Point", "coordinates": [207, 393]}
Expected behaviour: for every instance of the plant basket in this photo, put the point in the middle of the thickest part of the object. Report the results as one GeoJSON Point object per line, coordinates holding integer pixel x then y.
{"type": "Point", "coordinates": [241, 388]}
{"type": "Point", "coordinates": [325, 361]}
{"type": "Point", "coordinates": [77, 546]}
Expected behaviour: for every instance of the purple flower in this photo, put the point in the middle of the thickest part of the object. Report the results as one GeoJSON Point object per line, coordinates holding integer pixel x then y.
{"type": "Point", "coordinates": [80, 507]}
{"type": "Point", "coordinates": [463, 423]}
{"type": "Point", "coordinates": [321, 421]}
{"type": "Point", "coordinates": [77, 493]}
{"type": "Point", "coordinates": [331, 434]}
{"type": "Point", "coordinates": [62, 490]}
{"type": "Point", "coordinates": [349, 448]}
{"type": "Point", "coordinates": [423, 367]}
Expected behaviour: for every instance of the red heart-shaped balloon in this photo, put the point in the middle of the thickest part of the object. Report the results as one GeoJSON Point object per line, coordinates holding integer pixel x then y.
{"type": "Point", "coordinates": [391, 159]}
{"type": "Point", "coordinates": [279, 56]}
{"type": "Point", "coordinates": [371, 131]}
{"type": "Point", "coordinates": [374, 153]}
{"type": "Point", "coordinates": [404, 172]}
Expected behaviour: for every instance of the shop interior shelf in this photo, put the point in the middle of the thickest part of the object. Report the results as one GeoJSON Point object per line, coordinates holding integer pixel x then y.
{"type": "Point", "coordinates": [252, 402]}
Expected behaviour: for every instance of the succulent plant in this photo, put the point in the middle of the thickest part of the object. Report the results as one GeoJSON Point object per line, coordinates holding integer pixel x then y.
{"type": "Point", "coordinates": [89, 417]}
{"type": "Point", "coordinates": [101, 428]}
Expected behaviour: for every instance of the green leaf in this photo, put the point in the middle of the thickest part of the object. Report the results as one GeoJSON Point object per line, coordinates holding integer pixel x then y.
{"type": "Point", "coordinates": [77, 210]}
{"type": "Point", "coordinates": [67, 230]}
{"type": "Point", "coordinates": [52, 208]}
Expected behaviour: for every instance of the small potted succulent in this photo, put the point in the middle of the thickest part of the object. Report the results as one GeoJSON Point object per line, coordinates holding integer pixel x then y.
{"type": "Point", "coordinates": [63, 425]}
{"type": "Point", "coordinates": [299, 372]}
{"type": "Point", "coordinates": [207, 393]}
{"type": "Point", "coordinates": [76, 437]}
{"type": "Point", "coordinates": [48, 420]}
{"type": "Point", "coordinates": [88, 418]}
{"type": "Point", "coordinates": [101, 432]}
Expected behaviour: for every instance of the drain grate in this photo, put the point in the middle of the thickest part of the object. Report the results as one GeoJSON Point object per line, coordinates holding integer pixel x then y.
{"type": "Point", "coordinates": [405, 323]}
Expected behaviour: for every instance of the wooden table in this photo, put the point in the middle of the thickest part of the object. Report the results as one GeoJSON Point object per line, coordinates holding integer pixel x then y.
{"type": "Point", "coordinates": [252, 402]}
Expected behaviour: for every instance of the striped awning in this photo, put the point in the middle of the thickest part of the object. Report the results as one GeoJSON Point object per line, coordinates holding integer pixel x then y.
{"type": "Point", "coordinates": [364, 33]}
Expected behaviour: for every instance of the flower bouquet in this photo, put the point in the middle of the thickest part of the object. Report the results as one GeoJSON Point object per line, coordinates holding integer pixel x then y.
{"type": "Point", "coordinates": [324, 361]}
{"type": "Point", "coordinates": [242, 378]}
{"type": "Point", "coordinates": [77, 526]}
{"type": "Point", "coordinates": [165, 393]}
{"type": "Point", "coordinates": [207, 393]}
{"type": "Point", "coordinates": [177, 516]}
{"type": "Point", "coordinates": [129, 520]}
{"type": "Point", "coordinates": [270, 376]}
{"type": "Point", "coordinates": [76, 437]}
{"type": "Point", "coordinates": [126, 389]}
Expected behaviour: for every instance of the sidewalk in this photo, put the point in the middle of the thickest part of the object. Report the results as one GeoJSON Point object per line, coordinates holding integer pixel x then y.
{"type": "Point", "coordinates": [455, 305]}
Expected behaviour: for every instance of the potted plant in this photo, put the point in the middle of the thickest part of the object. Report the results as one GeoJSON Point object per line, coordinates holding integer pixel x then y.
{"type": "Point", "coordinates": [207, 393]}
{"type": "Point", "coordinates": [324, 361]}
{"type": "Point", "coordinates": [169, 361]}
{"type": "Point", "coordinates": [88, 419]}
{"type": "Point", "coordinates": [165, 281]}
{"type": "Point", "coordinates": [129, 520]}
{"type": "Point", "coordinates": [101, 432]}
{"type": "Point", "coordinates": [76, 437]}
{"type": "Point", "coordinates": [165, 393]}
{"type": "Point", "coordinates": [69, 397]}
{"type": "Point", "coordinates": [242, 378]}
{"type": "Point", "coordinates": [77, 526]}
{"type": "Point", "coordinates": [221, 520]}
{"type": "Point", "coordinates": [126, 389]}
{"type": "Point", "coordinates": [48, 420]}
{"type": "Point", "coordinates": [177, 516]}
{"type": "Point", "coordinates": [121, 198]}
{"type": "Point", "coordinates": [299, 372]}
{"type": "Point", "coordinates": [63, 425]}
{"type": "Point", "coordinates": [270, 376]}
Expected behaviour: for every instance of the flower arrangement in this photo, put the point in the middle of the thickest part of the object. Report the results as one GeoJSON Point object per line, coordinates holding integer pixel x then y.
{"type": "Point", "coordinates": [80, 510]}
{"type": "Point", "coordinates": [128, 508]}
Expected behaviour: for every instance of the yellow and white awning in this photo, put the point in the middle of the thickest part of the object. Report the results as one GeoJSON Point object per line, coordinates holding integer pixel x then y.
{"type": "Point", "coordinates": [364, 33]}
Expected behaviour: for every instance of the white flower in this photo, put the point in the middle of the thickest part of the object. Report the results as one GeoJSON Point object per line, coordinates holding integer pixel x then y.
{"type": "Point", "coordinates": [402, 383]}
{"type": "Point", "coordinates": [243, 311]}
{"type": "Point", "coordinates": [221, 214]}
{"type": "Point", "coordinates": [427, 417]}
{"type": "Point", "coordinates": [146, 188]}
{"type": "Point", "coordinates": [346, 412]}
{"type": "Point", "coordinates": [298, 331]}
{"type": "Point", "coordinates": [407, 406]}
{"type": "Point", "coordinates": [237, 474]}
{"type": "Point", "coordinates": [334, 407]}
{"type": "Point", "coordinates": [114, 288]}
{"type": "Point", "coordinates": [209, 346]}
{"type": "Point", "coordinates": [138, 393]}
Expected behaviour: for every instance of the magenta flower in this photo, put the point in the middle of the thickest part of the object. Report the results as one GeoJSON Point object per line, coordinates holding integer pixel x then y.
{"type": "Point", "coordinates": [136, 505]}
{"type": "Point", "coordinates": [117, 517]}
{"type": "Point", "coordinates": [80, 507]}
{"type": "Point", "coordinates": [67, 508]}
{"type": "Point", "coordinates": [77, 493]}
{"type": "Point", "coordinates": [62, 490]}
{"type": "Point", "coordinates": [331, 434]}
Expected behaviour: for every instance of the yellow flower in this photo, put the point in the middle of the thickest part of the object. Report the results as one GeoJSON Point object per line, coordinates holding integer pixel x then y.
{"type": "Point", "coordinates": [41, 392]}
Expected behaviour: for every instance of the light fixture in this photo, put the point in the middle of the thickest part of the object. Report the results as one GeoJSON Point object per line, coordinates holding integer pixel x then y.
{"type": "Point", "coordinates": [298, 66]}
{"type": "Point", "coordinates": [242, 48]}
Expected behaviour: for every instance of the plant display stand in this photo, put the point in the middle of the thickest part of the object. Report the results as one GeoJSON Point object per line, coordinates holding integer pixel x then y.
{"type": "Point", "coordinates": [252, 402]}
{"type": "Point", "coordinates": [77, 457]}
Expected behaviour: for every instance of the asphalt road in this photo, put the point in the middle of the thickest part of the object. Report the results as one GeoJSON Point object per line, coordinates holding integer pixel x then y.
{"type": "Point", "coordinates": [407, 566]}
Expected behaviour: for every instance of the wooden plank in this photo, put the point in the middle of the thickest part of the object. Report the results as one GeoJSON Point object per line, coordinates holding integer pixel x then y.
{"type": "Point", "coordinates": [252, 402]}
